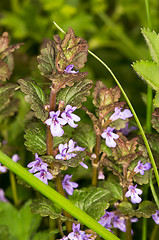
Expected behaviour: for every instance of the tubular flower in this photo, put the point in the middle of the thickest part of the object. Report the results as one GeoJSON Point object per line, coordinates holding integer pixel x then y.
{"type": "Point", "coordinates": [55, 124]}
{"type": "Point", "coordinates": [133, 192]}
{"type": "Point", "coordinates": [106, 219]}
{"type": "Point", "coordinates": [109, 136]}
{"type": "Point", "coordinates": [156, 217]}
{"type": "Point", "coordinates": [68, 185]}
{"type": "Point", "coordinates": [43, 175]}
{"type": "Point", "coordinates": [70, 117]}
{"type": "Point", "coordinates": [69, 69]}
{"type": "Point", "coordinates": [122, 115]}
{"type": "Point", "coordinates": [142, 167]}
{"type": "Point", "coordinates": [37, 165]}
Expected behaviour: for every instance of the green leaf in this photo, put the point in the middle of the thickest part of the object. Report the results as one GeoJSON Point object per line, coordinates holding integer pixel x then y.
{"type": "Point", "coordinates": [36, 97]}
{"type": "Point", "coordinates": [104, 96]}
{"type": "Point", "coordinates": [146, 209]}
{"type": "Point", "coordinates": [73, 162]}
{"type": "Point", "coordinates": [76, 94]}
{"type": "Point", "coordinates": [155, 119]}
{"type": "Point", "coordinates": [14, 219]}
{"type": "Point", "coordinates": [35, 136]}
{"type": "Point", "coordinates": [4, 233]}
{"type": "Point", "coordinates": [46, 207]}
{"type": "Point", "coordinates": [11, 108]}
{"type": "Point", "coordinates": [115, 189]}
{"type": "Point", "coordinates": [152, 40]}
{"type": "Point", "coordinates": [6, 92]}
{"type": "Point", "coordinates": [149, 71]}
{"type": "Point", "coordinates": [85, 136]}
{"type": "Point", "coordinates": [156, 100]}
{"type": "Point", "coordinates": [47, 59]}
{"type": "Point", "coordinates": [119, 124]}
{"type": "Point", "coordinates": [72, 50]}
{"type": "Point", "coordinates": [4, 71]}
{"type": "Point", "coordinates": [92, 200]}
{"type": "Point", "coordinates": [125, 208]}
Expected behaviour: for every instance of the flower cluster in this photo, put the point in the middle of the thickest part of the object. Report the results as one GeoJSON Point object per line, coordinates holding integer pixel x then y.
{"type": "Point", "coordinates": [67, 151]}
{"type": "Point", "coordinates": [56, 122]}
{"type": "Point", "coordinates": [108, 133]}
{"type": "Point", "coordinates": [110, 220]}
{"type": "Point", "coordinates": [77, 234]}
{"type": "Point", "coordinates": [40, 169]}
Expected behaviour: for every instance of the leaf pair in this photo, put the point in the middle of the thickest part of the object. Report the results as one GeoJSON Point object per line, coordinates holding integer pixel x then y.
{"type": "Point", "coordinates": [149, 70]}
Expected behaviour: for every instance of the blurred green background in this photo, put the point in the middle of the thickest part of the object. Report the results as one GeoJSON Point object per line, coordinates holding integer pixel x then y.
{"type": "Point", "coordinates": [111, 27]}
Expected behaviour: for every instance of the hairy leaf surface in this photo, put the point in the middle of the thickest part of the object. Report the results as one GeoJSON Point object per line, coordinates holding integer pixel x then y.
{"type": "Point", "coordinates": [92, 200]}
{"type": "Point", "coordinates": [76, 94]}
{"type": "Point", "coordinates": [35, 96]}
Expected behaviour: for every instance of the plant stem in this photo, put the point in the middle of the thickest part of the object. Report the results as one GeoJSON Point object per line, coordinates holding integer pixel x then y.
{"type": "Point", "coordinates": [52, 225]}
{"type": "Point", "coordinates": [62, 192]}
{"type": "Point", "coordinates": [149, 109]}
{"type": "Point", "coordinates": [95, 162]}
{"type": "Point", "coordinates": [154, 232]}
{"type": "Point", "coordinates": [50, 151]}
{"type": "Point", "coordinates": [14, 189]}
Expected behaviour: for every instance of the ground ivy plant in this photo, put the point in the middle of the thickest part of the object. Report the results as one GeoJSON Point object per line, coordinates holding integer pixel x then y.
{"type": "Point", "coordinates": [104, 148]}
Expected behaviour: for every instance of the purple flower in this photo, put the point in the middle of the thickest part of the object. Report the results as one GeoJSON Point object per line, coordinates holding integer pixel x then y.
{"type": "Point", "coordinates": [119, 222]}
{"type": "Point", "coordinates": [101, 175]}
{"type": "Point", "coordinates": [43, 175]}
{"type": "Point", "coordinates": [55, 124]}
{"type": "Point", "coordinates": [2, 168]}
{"type": "Point", "coordinates": [142, 167]}
{"type": "Point", "coordinates": [109, 137]}
{"type": "Point", "coordinates": [69, 69]}
{"type": "Point", "coordinates": [37, 165]}
{"type": "Point", "coordinates": [106, 219]}
{"type": "Point", "coordinates": [83, 164]}
{"type": "Point", "coordinates": [2, 196]}
{"type": "Point", "coordinates": [70, 117]}
{"type": "Point", "coordinates": [15, 157]}
{"type": "Point", "coordinates": [156, 217]}
{"type": "Point", "coordinates": [133, 192]}
{"type": "Point", "coordinates": [67, 185]}
{"type": "Point", "coordinates": [125, 131]}
{"type": "Point", "coordinates": [65, 153]}
{"type": "Point", "coordinates": [122, 115]}
{"type": "Point", "coordinates": [77, 234]}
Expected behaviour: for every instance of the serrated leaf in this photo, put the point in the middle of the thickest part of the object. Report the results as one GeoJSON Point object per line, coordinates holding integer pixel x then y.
{"type": "Point", "coordinates": [14, 220]}
{"type": "Point", "coordinates": [104, 96]}
{"type": "Point", "coordinates": [35, 136]}
{"type": "Point", "coordinates": [73, 162]}
{"type": "Point", "coordinates": [46, 207]}
{"type": "Point", "coordinates": [47, 59]}
{"type": "Point", "coordinates": [149, 71]}
{"type": "Point", "coordinates": [152, 39]}
{"type": "Point", "coordinates": [155, 119]}
{"type": "Point", "coordinates": [85, 136]}
{"type": "Point", "coordinates": [156, 100]}
{"type": "Point", "coordinates": [92, 200]}
{"type": "Point", "coordinates": [146, 209]}
{"type": "Point", "coordinates": [4, 71]}
{"type": "Point", "coordinates": [6, 92]}
{"type": "Point", "coordinates": [61, 80]}
{"type": "Point", "coordinates": [35, 96]}
{"type": "Point", "coordinates": [11, 108]}
{"type": "Point", "coordinates": [119, 124]}
{"type": "Point", "coordinates": [125, 208]}
{"type": "Point", "coordinates": [5, 49]}
{"type": "Point", "coordinates": [76, 94]}
{"type": "Point", "coordinates": [72, 50]}
{"type": "Point", "coordinates": [115, 189]}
